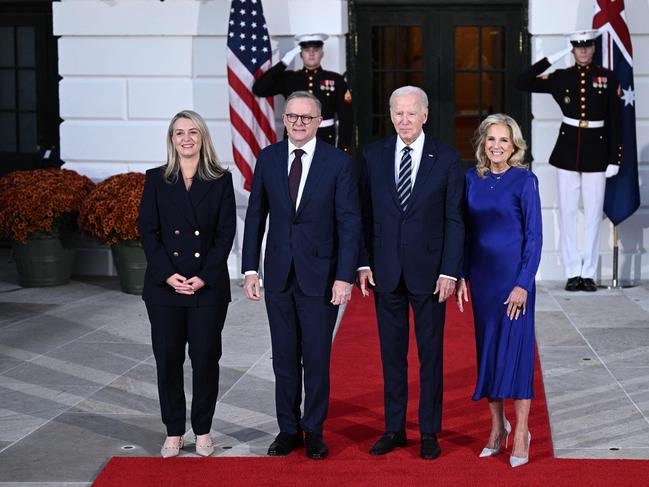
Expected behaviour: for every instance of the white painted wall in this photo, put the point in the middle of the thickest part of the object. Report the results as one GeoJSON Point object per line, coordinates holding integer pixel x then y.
{"type": "Point", "coordinates": [546, 28]}
{"type": "Point", "coordinates": [129, 65]}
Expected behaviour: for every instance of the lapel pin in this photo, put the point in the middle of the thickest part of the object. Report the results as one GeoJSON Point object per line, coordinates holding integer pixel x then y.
{"type": "Point", "coordinates": [431, 155]}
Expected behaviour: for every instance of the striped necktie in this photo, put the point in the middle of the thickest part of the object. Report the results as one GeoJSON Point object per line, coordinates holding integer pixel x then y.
{"type": "Point", "coordinates": [404, 186]}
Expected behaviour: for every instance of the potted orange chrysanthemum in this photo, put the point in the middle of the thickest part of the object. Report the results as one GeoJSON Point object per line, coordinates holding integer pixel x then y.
{"type": "Point", "coordinates": [37, 209]}
{"type": "Point", "coordinates": [110, 213]}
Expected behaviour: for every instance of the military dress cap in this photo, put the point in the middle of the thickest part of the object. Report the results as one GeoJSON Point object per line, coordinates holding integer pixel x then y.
{"type": "Point", "coordinates": [583, 38]}
{"type": "Point", "coordinates": [311, 40]}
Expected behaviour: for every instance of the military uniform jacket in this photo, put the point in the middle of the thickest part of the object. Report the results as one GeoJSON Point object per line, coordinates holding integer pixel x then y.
{"type": "Point", "coordinates": [588, 93]}
{"type": "Point", "coordinates": [329, 87]}
{"type": "Point", "coordinates": [189, 233]}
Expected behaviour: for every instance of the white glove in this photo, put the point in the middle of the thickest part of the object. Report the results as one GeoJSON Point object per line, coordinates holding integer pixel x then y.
{"type": "Point", "coordinates": [290, 55]}
{"type": "Point", "coordinates": [612, 170]}
{"type": "Point", "coordinates": [553, 58]}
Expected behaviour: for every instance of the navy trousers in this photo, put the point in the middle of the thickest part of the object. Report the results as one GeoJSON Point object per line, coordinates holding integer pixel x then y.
{"type": "Point", "coordinates": [392, 313]}
{"type": "Point", "coordinates": [301, 330]}
{"type": "Point", "coordinates": [172, 327]}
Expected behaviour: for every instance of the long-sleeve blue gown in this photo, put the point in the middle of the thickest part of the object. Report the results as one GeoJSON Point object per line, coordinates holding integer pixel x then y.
{"type": "Point", "coordinates": [504, 239]}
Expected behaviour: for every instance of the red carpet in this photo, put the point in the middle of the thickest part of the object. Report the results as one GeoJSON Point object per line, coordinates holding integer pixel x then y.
{"type": "Point", "coordinates": [356, 421]}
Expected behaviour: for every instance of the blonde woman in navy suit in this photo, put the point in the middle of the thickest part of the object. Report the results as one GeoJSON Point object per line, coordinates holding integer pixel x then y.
{"type": "Point", "coordinates": [187, 226]}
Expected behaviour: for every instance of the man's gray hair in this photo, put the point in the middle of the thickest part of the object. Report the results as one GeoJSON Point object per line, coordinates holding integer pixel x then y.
{"type": "Point", "coordinates": [310, 96]}
{"type": "Point", "coordinates": [410, 90]}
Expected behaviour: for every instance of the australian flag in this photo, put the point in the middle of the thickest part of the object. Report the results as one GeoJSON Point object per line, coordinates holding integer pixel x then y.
{"type": "Point", "coordinates": [614, 52]}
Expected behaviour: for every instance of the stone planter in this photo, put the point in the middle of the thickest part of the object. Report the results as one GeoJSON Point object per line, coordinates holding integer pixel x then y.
{"type": "Point", "coordinates": [130, 263]}
{"type": "Point", "coordinates": [43, 261]}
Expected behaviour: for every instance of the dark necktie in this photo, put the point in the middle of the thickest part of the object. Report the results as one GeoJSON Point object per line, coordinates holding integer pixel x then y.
{"type": "Point", "coordinates": [294, 176]}
{"type": "Point", "coordinates": [404, 186]}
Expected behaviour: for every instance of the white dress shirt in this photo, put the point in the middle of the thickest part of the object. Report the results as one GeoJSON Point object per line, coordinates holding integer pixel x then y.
{"type": "Point", "coordinates": [307, 157]}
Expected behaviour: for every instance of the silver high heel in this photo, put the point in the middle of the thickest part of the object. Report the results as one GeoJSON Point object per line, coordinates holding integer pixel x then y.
{"type": "Point", "coordinates": [520, 461]}
{"type": "Point", "coordinates": [172, 451]}
{"type": "Point", "coordinates": [491, 452]}
{"type": "Point", "coordinates": [205, 450]}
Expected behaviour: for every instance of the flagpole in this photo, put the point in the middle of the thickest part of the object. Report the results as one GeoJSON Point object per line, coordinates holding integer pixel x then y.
{"type": "Point", "coordinates": [615, 283]}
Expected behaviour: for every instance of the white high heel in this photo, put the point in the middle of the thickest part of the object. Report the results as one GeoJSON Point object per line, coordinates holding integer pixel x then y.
{"type": "Point", "coordinates": [205, 450]}
{"type": "Point", "coordinates": [520, 461]}
{"type": "Point", "coordinates": [172, 451]}
{"type": "Point", "coordinates": [491, 452]}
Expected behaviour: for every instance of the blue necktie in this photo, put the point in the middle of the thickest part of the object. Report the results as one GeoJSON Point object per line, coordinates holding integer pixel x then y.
{"type": "Point", "coordinates": [404, 186]}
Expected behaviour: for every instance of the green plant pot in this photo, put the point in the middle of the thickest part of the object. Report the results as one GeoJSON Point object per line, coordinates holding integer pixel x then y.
{"type": "Point", "coordinates": [43, 261]}
{"type": "Point", "coordinates": [130, 263]}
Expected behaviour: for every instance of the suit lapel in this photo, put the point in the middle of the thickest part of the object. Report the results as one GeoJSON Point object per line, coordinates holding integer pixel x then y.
{"type": "Point", "coordinates": [428, 158]}
{"type": "Point", "coordinates": [281, 159]}
{"type": "Point", "coordinates": [388, 168]}
{"type": "Point", "coordinates": [318, 165]}
{"type": "Point", "coordinates": [180, 197]}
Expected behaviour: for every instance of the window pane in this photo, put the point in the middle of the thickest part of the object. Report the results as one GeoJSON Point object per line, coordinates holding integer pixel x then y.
{"type": "Point", "coordinates": [464, 129]}
{"type": "Point", "coordinates": [7, 89]}
{"type": "Point", "coordinates": [27, 89]}
{"type": "Point", "coordinates": [409, 47]}
{"type": "Point", "coordinates": [493, 93]}
{"type": "Point", "coordinates": [383, 47]}
{"type": "Point", "coordinates": [493, 47]}
{"type": "Point", "coordinates": [26, 47]}
{"type": "Point", "coordinates": [7, 132]}
{"type": "Point", "coordinates": [466, 48]}
{"type": "Point", "coordinates": [7, 47]}
{"type": "Point", "coordinates": [383, 85]}
{"type": "Point", "coordinates": [27, 131]}
{"type": "Point", "coordinates": [466, 94]}
{"type": "Point", "coordinates": [382, 126]}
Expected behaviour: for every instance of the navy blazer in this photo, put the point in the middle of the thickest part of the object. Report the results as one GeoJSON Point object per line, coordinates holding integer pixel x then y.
{"type": "Point", "coordinates": [189, 233]}
{"type": "Point", "coordinates": [428, 238]}
{"type": "Point", "coordinates": [321, 239]}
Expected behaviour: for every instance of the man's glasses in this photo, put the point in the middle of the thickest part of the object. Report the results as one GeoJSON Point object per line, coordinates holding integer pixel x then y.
{"type": "Point", "coordinates": [292, 118]}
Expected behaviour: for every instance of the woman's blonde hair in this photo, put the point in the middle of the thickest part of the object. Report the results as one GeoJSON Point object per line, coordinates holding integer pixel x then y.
{"type": "Point", "coordinates": [516, 160]}
{"type": "Point", "coordinates": [209, 166]}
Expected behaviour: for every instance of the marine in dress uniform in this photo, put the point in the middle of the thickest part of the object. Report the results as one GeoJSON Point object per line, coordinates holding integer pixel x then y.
{"type": "Point", "coordinates": [588, 147]}
{"type": "Point", "coordinates": [329, 87]}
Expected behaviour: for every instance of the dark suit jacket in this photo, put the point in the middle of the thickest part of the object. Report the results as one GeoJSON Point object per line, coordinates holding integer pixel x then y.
{"type": "Point", "coordinates": [321, 239]}
{"type": "Point", "coordinates": [426, 240]}
{"type": "Point", "coordinates": [189, 233]}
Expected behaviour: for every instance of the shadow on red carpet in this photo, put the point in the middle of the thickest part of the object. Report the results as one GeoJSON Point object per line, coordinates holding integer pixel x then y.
{"type": "Point", "coordinates": [356, 421]}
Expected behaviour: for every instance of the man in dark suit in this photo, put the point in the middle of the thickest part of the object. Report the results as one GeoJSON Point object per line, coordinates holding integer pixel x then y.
{"type": "Point", "coordinates": [412, 188]}
{"type": "Point", "coordinates": [307, 188]}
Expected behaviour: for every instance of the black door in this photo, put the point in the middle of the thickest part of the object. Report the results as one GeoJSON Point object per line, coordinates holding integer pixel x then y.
{"type": "Point", "coordinates": [465, 56]}
{"type": "Point", "coordinates": [29, 101]}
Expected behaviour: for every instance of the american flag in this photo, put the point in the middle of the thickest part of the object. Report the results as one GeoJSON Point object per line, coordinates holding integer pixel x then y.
{"type": "Point", "coordinates": [248, 56]}
{"type": "Point", "coordinates": [622, 196]}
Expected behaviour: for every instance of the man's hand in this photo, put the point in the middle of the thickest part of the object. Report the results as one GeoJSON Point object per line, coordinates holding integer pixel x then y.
{"type": "Point", "coordinates": [461, 295]}
{"type": "Point", "coordinates": [290, 55]}
{"type": "Point", "coordinates": [516, 301]}
{"type": "Point", "coordinates": [553, 58]}
{"type": "Point", "coordinates": [612, 170]}
{"type": "Point", "coordinates": [341, 293]}
{"type": "Point", "coordinates": [363, 278]}
{"type": "Point", "coordinates": [445, 287]}
{"type": "Point", "coordinates": [251, 287]}
{"type": "Point", "coordinates": [179, 283]}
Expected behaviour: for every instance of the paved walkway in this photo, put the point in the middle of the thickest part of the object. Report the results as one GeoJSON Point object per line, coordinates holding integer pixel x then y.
{"type": "Point", "coordinates": [77, 377]}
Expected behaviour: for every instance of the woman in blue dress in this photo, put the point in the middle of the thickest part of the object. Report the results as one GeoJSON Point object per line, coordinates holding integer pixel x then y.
{"type": "Point", "coordinates": [502, 256]}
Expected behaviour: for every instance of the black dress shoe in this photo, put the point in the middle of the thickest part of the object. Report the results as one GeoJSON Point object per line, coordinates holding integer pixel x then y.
{"type": "Point", "coordinates": [388, 442]}
{"type": "Point", "coordinates": [588, 285]}
{"type": "Point", "coordinates": [284, 444]}
{"type": "Point", "coordinates": [429, 447]}
{"type": "Point", "coordinates": [573, 284]}
{"type": "Point", "coordinates": [316, 448]}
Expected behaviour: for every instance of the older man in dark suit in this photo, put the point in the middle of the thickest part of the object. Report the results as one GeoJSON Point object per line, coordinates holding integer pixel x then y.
{"type": "Point", "coordinates": [412, 188]}
{"type": "Point", "coordinates": [307, 188]}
